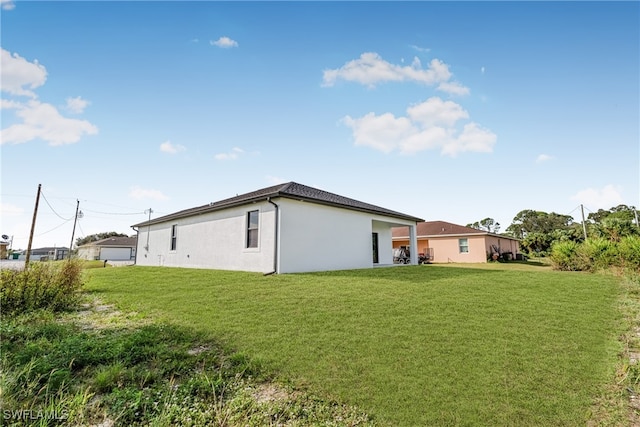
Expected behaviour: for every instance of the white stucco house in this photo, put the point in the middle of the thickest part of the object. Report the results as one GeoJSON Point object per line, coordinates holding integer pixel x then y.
{"type": "Point", "coordinates": [286, 228]}
{"type": "Point", "coordinates": [112, 248]}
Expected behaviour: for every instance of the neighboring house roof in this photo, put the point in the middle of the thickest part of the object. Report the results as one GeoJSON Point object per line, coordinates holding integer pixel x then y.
{"type": "Point", "coordinates": [289, 190]}
{"type": "Point", "coordinates": [441, 229]}
{"type": "Point", "coordinates": [114, 241]}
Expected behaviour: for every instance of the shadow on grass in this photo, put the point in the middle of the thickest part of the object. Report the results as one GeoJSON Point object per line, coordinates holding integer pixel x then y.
{"type": "Point", "coordinates": [408, 273]}
{"type": "Point", "coordinates": [86, 370]}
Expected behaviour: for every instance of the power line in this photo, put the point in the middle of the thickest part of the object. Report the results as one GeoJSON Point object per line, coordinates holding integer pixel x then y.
{"type": "Point", "coordinates": [81, 230]}
{"type": "Point", "coordinates": [53, 210]}
{"type": "Point", "coordinates": [54, 228]}
{"type": "Point", "coordinates": [114, 213]}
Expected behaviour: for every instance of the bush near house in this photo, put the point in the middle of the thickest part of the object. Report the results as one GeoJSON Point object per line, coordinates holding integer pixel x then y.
{"type": "Point", "coordinates": [53, 286]}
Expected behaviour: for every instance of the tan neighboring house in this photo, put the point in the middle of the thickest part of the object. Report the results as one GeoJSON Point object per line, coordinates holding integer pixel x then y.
{"type": "Point", "coordinates": [111, 248]}
{"type": "Point", "coordinates": [3, 250]}
{"type": "Point", "coordinates": [445, 242]}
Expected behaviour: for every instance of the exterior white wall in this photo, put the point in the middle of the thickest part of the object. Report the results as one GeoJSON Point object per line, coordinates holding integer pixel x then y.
{"type": "Point", "coordinates": [88, 252]}
{"type": "Point", "coordinates": [115, 254]}
{"type": "Point", "coordinates": [213, 240]}
{"type": "Point", "coordinates": [316, 237]}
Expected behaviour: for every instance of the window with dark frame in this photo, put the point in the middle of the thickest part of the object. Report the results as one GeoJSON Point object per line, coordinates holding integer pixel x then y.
{"type": "Point", "coordinates": [464, 245]}
{"type": "Point", "coordinates": [252, 229]}
{"type": "Point", "coordinates": [174, 237]}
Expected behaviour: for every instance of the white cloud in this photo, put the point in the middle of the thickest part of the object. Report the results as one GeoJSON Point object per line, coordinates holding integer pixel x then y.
{"type": "Point", "coordinates": [453, 88]}
{"type": "Point", "coordinates": [429, 125]}
{"type": "Point", "coordinates": [37, 120]}
{"type": "Point", "coordinates": [43, 121]}
{"type": "Point", "coordinates": [544, 158]}
{"type": "Point", "coordinates": [232, 155]}
{"type": "Point", "coordinates": [76, 105]}
{"type": "Point", "coordinates": [8, 4]}
{"type": "Point", "coordinates": [383, 133]}
{"type": "Point", "coordinates": [140, 193]}
{"type": "Point", "coordinates": [7, 104]}
{"type": "Point", "coordinates": [8, 209]}
{"type": "Point", "coordinates": [473, 138]}
{"type": "Point", "coordinates": [168, 147]}
{"type": "Point", "coordinates": [599, 198]}
{"type": "Point", "coordinates": [224, 42]}
{"type": "Point", "coordinates": [19, 75]}
{"type": "Point", "coordinates": [436, 111]}
{"type": "Point", "coordinates": [482, 69]}
{"type": "Point", "coordinates": [371, 69]}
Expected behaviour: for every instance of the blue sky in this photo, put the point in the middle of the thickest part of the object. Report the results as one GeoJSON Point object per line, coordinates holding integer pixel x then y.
{"type": "Point", "coordinates": [448, 111]}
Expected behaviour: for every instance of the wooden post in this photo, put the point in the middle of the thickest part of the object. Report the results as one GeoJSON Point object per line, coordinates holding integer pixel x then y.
{"type": "Point", "coordinates": [33, 228]}
{"type": "Point", "coordinates": [74, 228]}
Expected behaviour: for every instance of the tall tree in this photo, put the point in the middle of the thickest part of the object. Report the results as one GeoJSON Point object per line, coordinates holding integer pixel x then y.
{"type": "Point", "coordinates": [623, 212]}
{"type": "Point", "coordinates": [487, 224]}
{"type": "Point", "coordinates": [531, 221]}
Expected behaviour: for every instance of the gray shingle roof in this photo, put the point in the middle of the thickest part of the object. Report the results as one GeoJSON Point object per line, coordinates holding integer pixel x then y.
{"type": "Point", "coordinates": [290, 190]}
{"type": "Point", "coordinates": [115, 241]}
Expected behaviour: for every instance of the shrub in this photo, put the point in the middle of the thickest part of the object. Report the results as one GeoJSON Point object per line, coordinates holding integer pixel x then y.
{"type": "Point", "coordinates": [629, 252]}
{"type": "Point", "coordinates": [564, 256]}
{"type": "Point", "coordinates": [54, 286]}
{"type": "Point", "coordinates": [598, 254]}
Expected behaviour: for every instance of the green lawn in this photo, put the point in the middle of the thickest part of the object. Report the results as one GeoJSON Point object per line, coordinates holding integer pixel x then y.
{"type": "Point", "coordinates": [416, 345]}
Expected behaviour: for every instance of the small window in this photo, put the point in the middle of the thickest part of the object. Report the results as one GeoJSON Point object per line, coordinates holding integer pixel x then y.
{"type": "Point", "coordinates": [252, 229]}
{"type": "Point", "coordinates": [464, 245]}
{"type": "Point", "coordinates": [174, 237]}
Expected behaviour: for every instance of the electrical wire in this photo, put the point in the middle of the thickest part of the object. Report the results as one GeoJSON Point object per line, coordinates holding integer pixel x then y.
{"type": "Point", "coordinates": [53, 210]}
{"type": "Point", "coordinates": [113, 213]}
{"type": "Point", "coordinates": [54, 228]}
{"type": "Point", "coordinates": [81, 230]}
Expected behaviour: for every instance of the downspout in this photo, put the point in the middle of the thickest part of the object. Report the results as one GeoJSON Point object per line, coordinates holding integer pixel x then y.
{"type": "Point", "coordinates": [275, 239]}
{"type": "Point", "coordinates": [135, 257]}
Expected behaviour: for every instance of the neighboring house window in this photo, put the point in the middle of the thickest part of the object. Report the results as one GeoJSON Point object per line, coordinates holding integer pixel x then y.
{"type": "Point", "coordinates": [252, 229]}
{"type": "Point", "coordinates": [174, 237]}
{"type": "Point", "coordinates": [464, 245]}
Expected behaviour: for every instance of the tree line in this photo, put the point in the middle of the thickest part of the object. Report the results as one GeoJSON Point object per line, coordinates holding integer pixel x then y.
{"type": "Point", "coordinates": [538, 231]}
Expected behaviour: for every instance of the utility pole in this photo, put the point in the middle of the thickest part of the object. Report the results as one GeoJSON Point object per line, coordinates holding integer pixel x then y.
{"type": "Point", "coordinates": [74, 227]}
{"type": "Point", "coordinates": [33, 227]}
{"type": "Point", "coordinates": [148, 228]}
{"type": "Point", "coordinates": [584, 226]}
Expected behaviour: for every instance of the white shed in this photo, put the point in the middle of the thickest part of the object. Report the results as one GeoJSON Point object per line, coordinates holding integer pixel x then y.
{"type": "Point", "coordinates": [285, 228]}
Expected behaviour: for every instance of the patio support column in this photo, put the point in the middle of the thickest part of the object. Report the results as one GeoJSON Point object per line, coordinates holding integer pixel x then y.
{"type": "Point", "coordinates": [413, 244]}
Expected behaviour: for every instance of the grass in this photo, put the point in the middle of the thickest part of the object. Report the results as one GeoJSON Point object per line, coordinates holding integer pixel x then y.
{"type": "Point", "coordinates": [103, 367]}
{"type": "Point", "coordinates": [418, 345]}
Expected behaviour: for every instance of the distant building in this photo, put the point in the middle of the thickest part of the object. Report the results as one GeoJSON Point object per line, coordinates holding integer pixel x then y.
{"type": "Point", "coordinates": [443, 242]}
{"type": "Point", "coordinates": [48, 253]}
{"type": "Point", "coordinates": [111, 248]}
